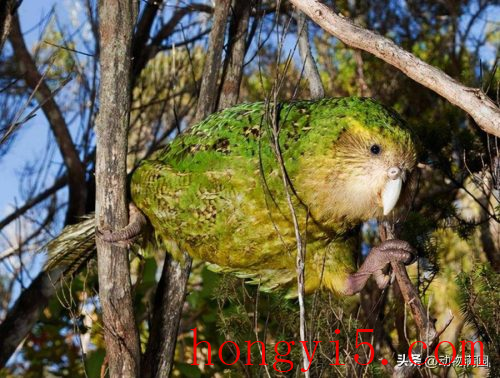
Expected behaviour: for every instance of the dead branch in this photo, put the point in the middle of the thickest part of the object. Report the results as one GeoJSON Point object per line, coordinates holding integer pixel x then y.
{"type": "Point", "coordinates": [472, 100]}
{"type": "Point", "coordinates": [18, 122]}
{"type": "Point", "coordinates": [144, 25]}
{"type": "Point", "coordinates": [364, 89]}
{"type": "Point", "coordinates": [300, 260]}
{"type": "Point", "coordinates": [273, 114]}
{"type": "Point", "coordinates": [76, 169]}
{"type": "Point", "coordinates": [115, 292]}
{"type": "Point", "coordinates": [310, 69]}
{"type": "Point", "coordinates": [58, 184]}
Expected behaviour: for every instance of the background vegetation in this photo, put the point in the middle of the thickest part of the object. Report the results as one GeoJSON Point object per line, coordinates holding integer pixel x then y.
{"type": "Point", "coordinates": [454, 221]}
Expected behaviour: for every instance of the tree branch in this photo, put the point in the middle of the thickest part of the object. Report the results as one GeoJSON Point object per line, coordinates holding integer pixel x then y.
{"type": "Point", "coordinates": [143, 52]}
{"type": "Point", "coordinates": [233, 65]}
{"type": "Point", "coordinates": [167, 311]}
{"type": "Point", "coordinates": [7, 9]}
{"type": "Point", "coordinates": [472, 100]}
{"type": "Point", "coordinates": [301, 247]}
{"type": "Point", "coordinates": [58, 184]}
{"type": "Point", "coordinates": [25, 313]}
{"type": "Point", "coordinates": [144, 25]}
{"type": "Point", "coordinates": [310, 69]}
{"type": "Point", "coordinates": [207, 100]}
{"type": "Point", "coordinates": [115, 289]}
{"type": "Point", "coordinates": [425, 324]}
{"type": "Point", "coordinates": [76, 169]}
{"type": "Point", "coordinates": [171, 290]}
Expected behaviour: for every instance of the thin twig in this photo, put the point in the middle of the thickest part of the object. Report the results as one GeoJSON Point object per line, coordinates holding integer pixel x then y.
{"type": "Point", "coordinates": [300, 266]}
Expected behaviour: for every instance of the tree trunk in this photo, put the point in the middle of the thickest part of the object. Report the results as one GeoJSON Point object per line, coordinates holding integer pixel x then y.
{"type": "Point", "coordinates": [167, 311]}
{"type": "Point", "coordinates": [206, 99]}
{"type": "Point", "coordinates": [115, 292]}
{"type": "Point", "coordinates": [233, 68]}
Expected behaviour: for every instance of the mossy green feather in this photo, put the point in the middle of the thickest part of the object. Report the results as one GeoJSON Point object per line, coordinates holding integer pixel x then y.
{"type": "Point", "coordinates": [216, 190]}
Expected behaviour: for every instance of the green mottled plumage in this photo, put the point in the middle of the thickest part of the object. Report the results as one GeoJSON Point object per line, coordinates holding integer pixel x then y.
{"type": "Point", "coordinates": [216, 190]}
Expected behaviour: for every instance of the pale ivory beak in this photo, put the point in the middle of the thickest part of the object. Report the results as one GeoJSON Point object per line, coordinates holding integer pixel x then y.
{"type": "Point", "coordinates": [392, 189]}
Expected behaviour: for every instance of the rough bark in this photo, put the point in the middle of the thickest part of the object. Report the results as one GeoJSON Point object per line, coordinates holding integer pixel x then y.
{"type": "Point", "coordinates": [115, 292]}
{"type": "Point", "coordinates": [233, 70]}
{"type": "Point", "coordinates": [482, 109]}
{"type": "Point", "coordinates": [167, 311]}
{"type": "Point", "coordinates": [7, 8]}
{"type": "Point", "coordinates": [309, 64]}
{"type": "Point", "coordinates": [33, 78]}
{"type": "Point", "coordinates": [207, 100]}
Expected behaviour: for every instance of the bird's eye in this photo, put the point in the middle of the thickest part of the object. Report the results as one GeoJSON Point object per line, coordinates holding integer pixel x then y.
{"type": "Point", "coordinates": [375, 149]}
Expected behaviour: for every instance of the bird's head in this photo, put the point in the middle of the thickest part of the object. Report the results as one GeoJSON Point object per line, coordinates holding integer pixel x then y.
{"type": "Point", "coordinates": [363, 169]}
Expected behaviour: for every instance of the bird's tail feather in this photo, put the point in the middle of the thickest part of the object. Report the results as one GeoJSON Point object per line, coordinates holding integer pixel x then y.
{"type": "Point", "coordinates": [73, 247]}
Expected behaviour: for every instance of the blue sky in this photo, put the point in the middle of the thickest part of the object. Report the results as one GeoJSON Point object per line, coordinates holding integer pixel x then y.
{"type": "Point", "coordinates": [32, 140]}
{"type": "Point", "coordinates": [34, 137]}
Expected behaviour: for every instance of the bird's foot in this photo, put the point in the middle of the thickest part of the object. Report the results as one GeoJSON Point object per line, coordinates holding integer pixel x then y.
{"type": "Point", "coordinates": [126, 236]}
{"type": "Point", "coordinates": [393, 250]}
{"type": "Point", "coordinates": [382, 278]}
{"type": "Point", "coordinates": [376, 264]}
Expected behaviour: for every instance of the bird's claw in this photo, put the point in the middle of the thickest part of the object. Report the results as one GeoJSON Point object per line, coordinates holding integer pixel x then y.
{"type": "Point", "coordinates": [393, 250]}
{"type": "Point", "coordinates": [376, 263]}
{"type": "Point", "coordinates": [108, 236]}
{"type": "Point", "coordinates": [126, 236]}
{"type": "Point", "coordinates": [382, 279]}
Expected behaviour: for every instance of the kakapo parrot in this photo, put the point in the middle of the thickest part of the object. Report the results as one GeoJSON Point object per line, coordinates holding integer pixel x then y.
{"type": "Point", "coordinates": [216, 192]}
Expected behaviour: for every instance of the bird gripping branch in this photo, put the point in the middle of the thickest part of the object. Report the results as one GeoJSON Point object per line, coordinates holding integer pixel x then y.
{"type": "Point", "coordinates": [215, 191]}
